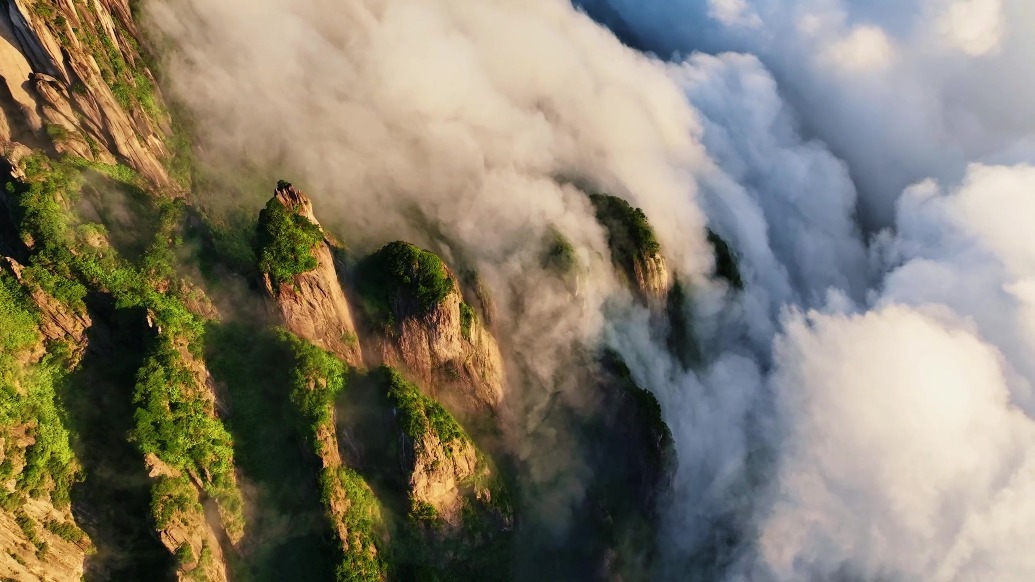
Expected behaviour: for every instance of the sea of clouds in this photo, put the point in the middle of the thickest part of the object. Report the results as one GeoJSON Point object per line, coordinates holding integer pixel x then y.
{"type": "Point", "coordinates": [864, 410]}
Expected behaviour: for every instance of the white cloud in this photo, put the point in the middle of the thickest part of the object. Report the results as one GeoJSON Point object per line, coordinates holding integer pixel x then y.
{"type": "Point", "coordinates": [865, 48]}
{"type": "Point", "coordinates": [902, 455]}
{"type": "Point", "coordinates": [975, 27]}
{"type": "Point", "coordinates": [733, 13]}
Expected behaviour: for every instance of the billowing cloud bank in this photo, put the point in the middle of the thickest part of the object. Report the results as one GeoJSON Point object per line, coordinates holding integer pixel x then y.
{"type": "Point", "coordinates": [903, 90]}
{"type": "Point", "coordinates": [865, 406]}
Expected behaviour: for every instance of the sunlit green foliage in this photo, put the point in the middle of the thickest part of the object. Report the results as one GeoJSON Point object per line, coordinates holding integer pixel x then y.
{"type": "Point", "coordinates": [364, 522]}
{"type": "Point", "coordinates": [420, 415]}
{"type": "Point", "coordinates": [28, 398]}
{"type": "Point", "coordinates": [318, 378]}
{"type": "Point", "coordinates": [285, 243]}
{"type": "Point", "coordinates": [402, 276]}
{"type": "Point", "coordinates": [174, 419]}
{"type": "Point", "coordinates": [66, 530]}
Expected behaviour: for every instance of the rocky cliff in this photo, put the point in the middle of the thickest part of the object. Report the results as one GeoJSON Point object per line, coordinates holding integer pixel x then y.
{"type": "Point", "coordinates": [299, 274]}
{"type": "Point", "coordinates": [457, 500]}
{"type": "Point", "coordinates": [75, 82]}
{"type": "Point", "coordinates": [423, 326]}
{"type": "Point", "coordinates": [37, 531]}
{"type": "Point", "coordinates": [635, 250]}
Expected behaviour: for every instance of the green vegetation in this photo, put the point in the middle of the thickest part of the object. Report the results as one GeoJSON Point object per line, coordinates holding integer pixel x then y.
{"type": "Point", "coordinates": [560, 254]}
{"type": "Point", "coordinates": [256, 367]}
{"type": "Point", "coordinates": [285, 243]}
{"type": "Point", "coordinates": [403, 277]}
{"type": "Point", "coordinates": [58, 133]}
{"type": "Point", "coordinates": [318, 378]}
{"type": "Point", "coordinates": [420, 415]}
{"type": "Point", "coordinates": [17, 328]}
{"type": "Point", "coordinates": [629, 234]}
{"type": "Point", "coordinates": [423, 512]}
{"type": "Point", "coordinates": [365, 524]}
{"type": "Point", "coordinates": [184, 554]}
{"type": "Point", "coordinates": [28, 527]}
{"type": "Point", "coordinates": [175, 420]}
{"type": "Point", "coordinates": [467, 318]}
{"type": "Point", "coordinates": [66, 530]}
{"type": "Point", "coordinates": [28, 402]}
{"type": "Point", "coordinates": [725, 261]}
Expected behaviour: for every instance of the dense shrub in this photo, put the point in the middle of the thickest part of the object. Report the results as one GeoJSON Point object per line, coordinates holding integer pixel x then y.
{"type": "Point", "coordinates": [28, 397]}
{"type": "Point", "coordinates": [401, 275]}
{"type": "Point", "coordinates": [364, 522]}
{"type": "Point", "coordinates": [285, 243]}
{"type": "Point", "coordinates": [318, 378]}
{"type": "Point", "coordinates": [174, 419]}
{"type": "Point", "coordinates": [419, 414]}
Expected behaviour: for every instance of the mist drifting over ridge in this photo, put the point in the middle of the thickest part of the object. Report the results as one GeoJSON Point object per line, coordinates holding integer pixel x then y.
{"type": "Point", "coordinates": [864, 409]}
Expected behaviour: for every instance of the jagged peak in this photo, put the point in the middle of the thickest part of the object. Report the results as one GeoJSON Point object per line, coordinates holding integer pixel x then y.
{"type": "Point", "coordinates": [295, 201]}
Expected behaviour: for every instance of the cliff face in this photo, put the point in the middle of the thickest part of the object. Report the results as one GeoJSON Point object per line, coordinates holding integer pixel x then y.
{"type": "Point", "coordinates": [461, 364]}
{"type": "Point", "coordinates": [41, 543]}
{"type": "Point", "coordinates": [424, 327]}
{"type": "Point", "coordinates": [306, 290]}
{"type": "Point", "coordinates": [75, 81]}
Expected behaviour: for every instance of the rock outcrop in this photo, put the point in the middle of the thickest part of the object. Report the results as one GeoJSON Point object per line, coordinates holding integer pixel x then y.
{"type": "Point", "coordinates": [306, 290]}
{"type": "Point", "coordinates": [455, 495]}
{"type": "Point", "coordinates": [635, 250]}
{"type": "Point", "coordinates": [41, 543]}
{"type": "Point", "coordinates": [424, 327]}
